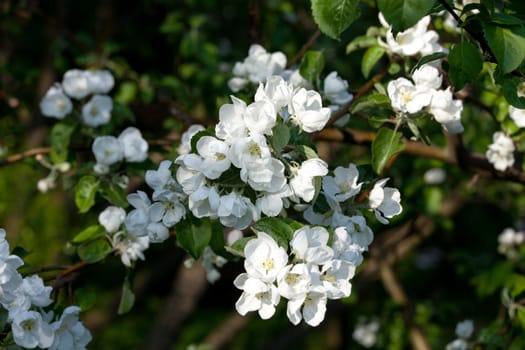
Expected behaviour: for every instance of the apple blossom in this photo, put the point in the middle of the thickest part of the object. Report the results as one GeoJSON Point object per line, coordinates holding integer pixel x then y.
{"type": "Point", "coordinates": [31, 331]}
{"type": "Point", "coordinates": [97, 111]}
{"type": "Point", "coordinates": [214, 155]}
{"type": "Point", "coordinates": [335, 88]}
{"type": "Point", "coordinates": [100, 81]}
{"type": "Point", "coordinates": [276, 90]}
{"type": "Point", "coordinates": [70, 333]}
{"type": "Point", "coordinates": [76, 83]}
{"type": "Point", "coordinates": [385, 201]}
{"type": "Point", "coordinates": [302, 182]}
{"type": "Point", "coordinates": [237, 211]}
{"type": "Point", "coordinates": [204, 202]}
{"type": "Point", "coordinates": [518, 115]}
{"type": "Point", "coordinates": [307, 111]}
{"type": "Point", "coordinates": [501, 152]}
{"type": "Point", "coordinates": [231, 125]}
{"type": "Point", "coordinates": [111, 218]}
{"type": "Point", "coordinates": [294, 281]}
{"type": "Point", "coordinates": [256, 296]}
{"type": "Point", "coordinates": [130, 247]}
{"type": "Point", "coordinates": [406, 97]}
{"type": "Point", "coordinates": [311, 307]}
{"type": "Point", "coordinates": [309, 244]}
{"type": "Point", "coordinates": [185, 140]}
{"type": "Point", "coordinates": [446, 110]}
{"type": "Point", "coordinates": [107, 150]}
{"type": "Point", "coordinates": [344, 185]}
{"type": "Point", "coordinates": [264, 258]}
{"type": "Point", "coordinates": [55, 103]}
{"type": "Point", "coordinates": [134, 147]}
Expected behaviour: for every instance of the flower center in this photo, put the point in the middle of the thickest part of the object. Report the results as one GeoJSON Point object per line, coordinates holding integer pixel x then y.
{"type": "Point", "coordinates": [254, 149]}
{"type": "Point", "coordinates": [268, 264]}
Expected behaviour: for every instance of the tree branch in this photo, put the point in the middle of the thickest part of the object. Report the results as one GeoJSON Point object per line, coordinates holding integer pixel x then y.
{"type": "Point", "coordinates": [306, 47]}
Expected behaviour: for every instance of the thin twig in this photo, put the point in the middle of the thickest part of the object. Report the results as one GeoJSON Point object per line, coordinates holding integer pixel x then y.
{"type": "Point", "coordinates": [306, 47]}
{"type": "Point", "coordinates": [26, 154]}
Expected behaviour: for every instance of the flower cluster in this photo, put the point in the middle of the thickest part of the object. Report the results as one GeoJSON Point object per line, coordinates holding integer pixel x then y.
{"type": "Point", "coordinates": [78, 84]}
{"type": "Point", "coordinates": [509, 241]}
{"type": "Point", "coordinates": [501, 151]}
{"type": "Point", "coordinates": [24, 299]}
{"type": "Point", "coordinates": [464, 330]}
{"type": "Point", "coordinates": [422, 94]}
{"type": "Point", "coordinates": [259, 65]}
{"type": "Point", "coordinates": [129, 146]}
{"type": "Point", "coordinates": [310, 274]}
{"type": "Point", "coordinates": [412, 41]}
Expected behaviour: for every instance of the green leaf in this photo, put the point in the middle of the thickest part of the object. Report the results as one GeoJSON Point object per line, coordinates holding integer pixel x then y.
{"type": "Point", "coordinates": [306, 151]}
{"type": "Point", "coordinates": [334, 16]}
{"type": "Point", "coordinates": [277, 228]}
{"type": "Point", "coordinates": [237, 248]}
{"type": "Point", "coordinates": [280, 137]}
{"type": "Point", "coordinates": [89, 234]}
{"type": "Point", "coordinates": [510, 87]}
{"type": "Point", "coordinates": [193, 234]}
{"type": "Point", "coordinates": [371, 101]}
{"type": "Point", "coordinates": [516, 285]}
{"type": "Point", "coordinates": [507, 44]}
{"type": "Point", "coordinates": [217, 242]}
{"type": "Point", "coordinates": [94, 251]}
{"type": "Point", "coordinates": [385, 145]}
{"type": "Point", "coordinates": [60, 139]}
{"type": "Point", "coordinates": [465, 63]}
{"type": "Point", "coordinates": [506, 19]}
{"type": "Point", "coordinates": [85, 191]}
{"type": "Point", "coordinates": [426, 59]}
{"type": "Point", "coordinates": [361, 42]}
{"type": "Point", "coordinates": [195, 138]}
{"type": "Point", "coordinates": [126, 93]}
{"type": "Point", "coordinates": [312, 65]}
{"type": "Point", "coordinates": [520, 316]}
{"type": "Point", "coordinates": [370, 58]}
{"type": "Point", "coordinates": [403, 14]}
{"type": "Point", "coordinates": [115, 194]}
{"type": "Point", "coordinates": [85, 297]}
{"type": "Point", "coordinates": [127, 298]}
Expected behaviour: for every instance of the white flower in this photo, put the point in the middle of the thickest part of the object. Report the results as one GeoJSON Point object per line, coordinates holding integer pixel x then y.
{"type": "Point", "coordinates": [302, 183]}
{"type": "Point", "coordinates": [427, 78]}
{"type": "Point", "coordinates": [30, 331]}
{"type": "Point", "coordinates": [412, 41]}
{"type": "Point", "coordinates": [260, 117]}
{"type": "Point", "coordinates": [307, 110]}
{"type": "Point", "coordinates": [294, 281]}
{"type": "Point", "coordinates": [111, 218]}
{"type": "Point", "coordinates": [107, 150]}
{"type": "Point", "coordinates": [309, 244]}
{"type": "Point", "coordinates": [55, 103]}
{"type": "Point", "coordinates": [253, 156]}
{"type": "Point", "coordinates": [237, 211]}
{"type": "Point", "coordinates": [336, 88]}
{"type": "Point", "coordinates": [168, 208]}
{"type": "Point", "coordinates": [76, 83]}
{"type": "Point", "coordinates": [344, 185]}
{"type": "Point", "coordinates": [256, 296]}
{"type": "Point", "coordinates": [345, 249]}
{"type": "Point", "coordinates": [138, 219]}
{"type": "Point", "coordinates": [204, 202]}
{"type": "Point", "coordinates": [311, 308]}
{"type": "Point", "coordinates": [210, 261]}
{"type": "Point", "coordinates": [366, 333]}
{"type": "Point", "coordinates": [134, 147]}
{"type": "Point", "coordinates": [501, 152]}
{"type": "Point", "coordinates": [435, 176]}
{"type": "Point", "coordinates": [458, 344]}
{"type": "Point", "coordinates": [185, 141]}
{"type": "Point", "coordinates": [100, 81]}
{"type": "Point", "coordinates": [70, 333]}
{"type": "Point", "coordinates": [214, 154]}
{"type": "Point", "coordinates": [518, 115]}
{"type": "Point", "coordinates": [264, 258]}
{"type": "Point", "coordinates": [161, 180]}
{"type": "Point", "coordinates": [130, 247]}
{"type": "Point", "coordinates": [31, 292]}
{"type": "Point", "coordinates": [272, 204]}
{"type": "Point", "coordinates": [464, 329]}
{"type": "Point", "coordinates": [406, 97]}
{"type": "Point", "coordinates": [446, 110]}
{"type": "Point", "coordinates": [508, 241]}
{"type": "Point", "coordinates": [189, 174]}
{"type": "Point", "coordinates": [356, 227]}
{"type": "Point", "coordinates": [335, 278]}
{"type": "Point", "coordinates": [97, 111]}
{"type": "Point", "coordinates": [259, 65]}
{"type": "Point", "coordinates": [276, 90]}
{"type": "Point", "coordinates": [385, 201]}
{"type": "Point", "coordinates": [231, 124]}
